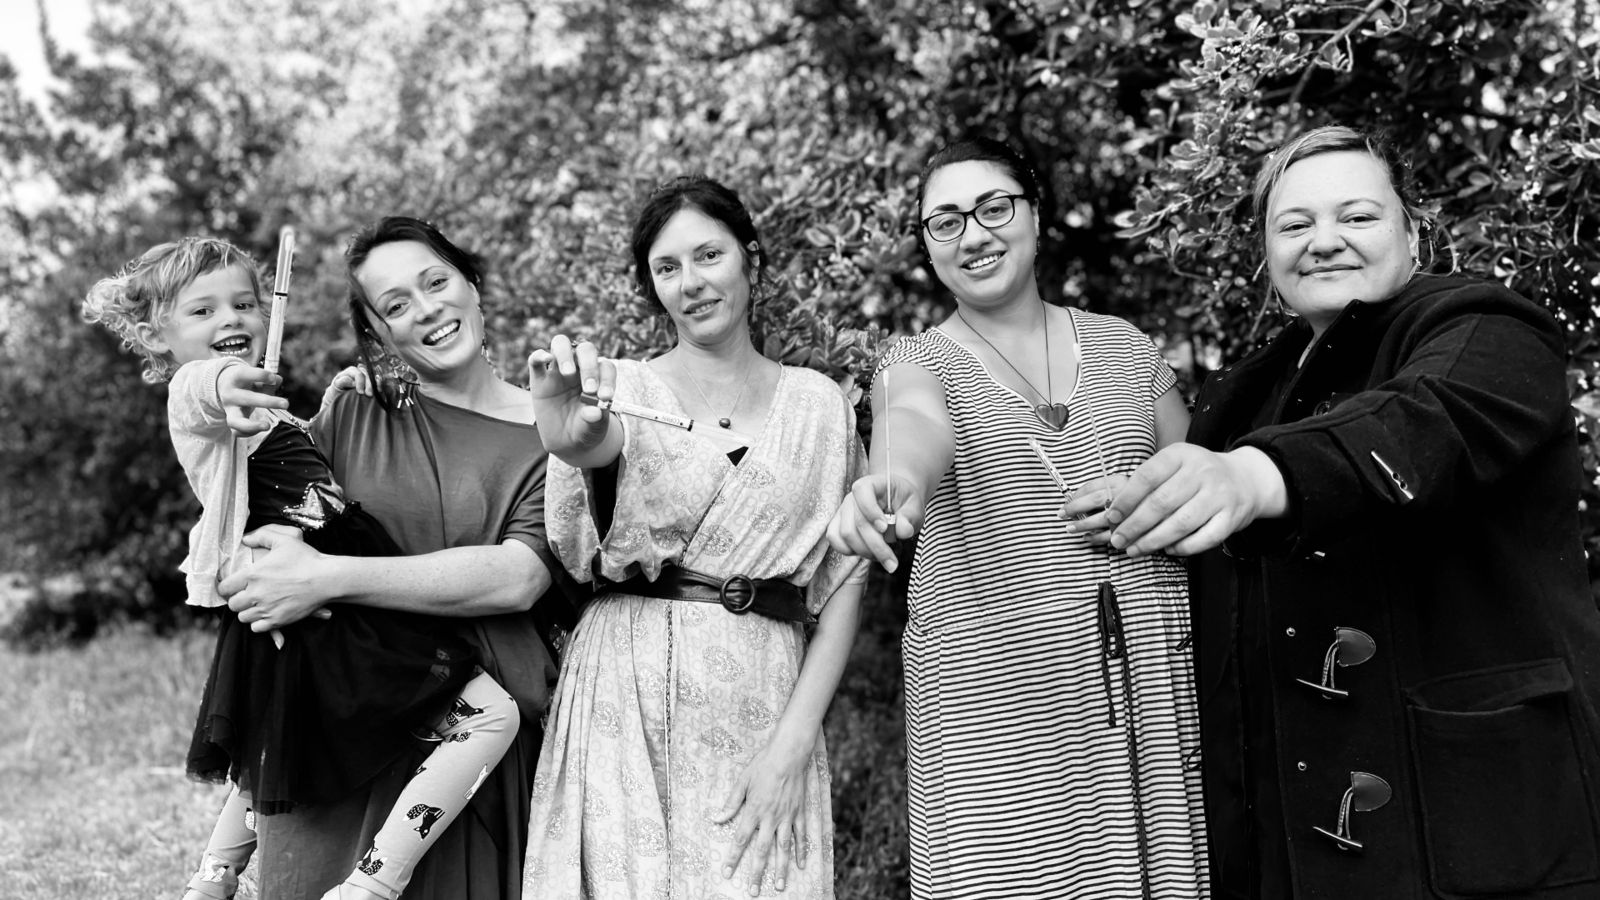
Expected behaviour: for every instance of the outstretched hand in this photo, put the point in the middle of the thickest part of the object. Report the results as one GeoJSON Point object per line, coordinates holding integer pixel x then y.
{"type": "Point", "coordinates": [861, 525]}
{"type": "Point", "coordinates": [768, 811]}
{"type": "Point", "coordinates": [565, 382]}
{"type": "Point", "coordinates": [1187, 499]}
{"type": "Point", "coordinates": [241, 389]}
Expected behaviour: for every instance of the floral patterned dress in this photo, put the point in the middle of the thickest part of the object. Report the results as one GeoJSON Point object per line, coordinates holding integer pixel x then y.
{"type": "Point", "coordinates": [662, 703]}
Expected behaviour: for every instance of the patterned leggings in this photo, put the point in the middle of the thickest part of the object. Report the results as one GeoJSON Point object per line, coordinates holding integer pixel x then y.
{"type": "Point", "coordinates": [472, 736]}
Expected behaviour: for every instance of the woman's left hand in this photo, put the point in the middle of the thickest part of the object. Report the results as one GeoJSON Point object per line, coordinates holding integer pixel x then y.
{"type": "Point", "coordinates": [768, 809]}
{"type": "Point", "coordinates": [281, 586]}
{"type": "Point", "coordinates": [1086, 508]}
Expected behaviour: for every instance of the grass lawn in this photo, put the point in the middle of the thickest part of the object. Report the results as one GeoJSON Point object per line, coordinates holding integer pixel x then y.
{"type": "Point", "coordinates": [94, 802]}
{"type": "Point", "coordinates": [91, 774]}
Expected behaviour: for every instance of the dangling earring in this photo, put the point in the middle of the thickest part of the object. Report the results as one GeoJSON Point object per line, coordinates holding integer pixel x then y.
{"type": "Point", "coordinates": [394, 367]}
{"type": "Point", "coordinates": [1284, 308]}
{"type": "Point", "coordinates": [488, 355]}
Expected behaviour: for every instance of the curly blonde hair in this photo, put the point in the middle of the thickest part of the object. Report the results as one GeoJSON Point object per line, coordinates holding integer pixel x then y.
{"type": "Point", "coordinates": [143, 292]}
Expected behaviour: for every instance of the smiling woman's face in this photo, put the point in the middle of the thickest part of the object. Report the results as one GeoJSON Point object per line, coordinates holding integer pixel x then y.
{"type": "Point", "coordinates": [426, 310]}
{"type": "Point", "coordinates": [985, 266]}
{"type": "Point", "coordinates": [1337, 232]}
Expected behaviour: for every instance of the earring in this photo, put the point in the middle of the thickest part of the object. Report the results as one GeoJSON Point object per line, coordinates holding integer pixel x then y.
{"type": "Point", "coordinates": [392, 366]}
{"type": "Point", "coordinates": [1284, 308]}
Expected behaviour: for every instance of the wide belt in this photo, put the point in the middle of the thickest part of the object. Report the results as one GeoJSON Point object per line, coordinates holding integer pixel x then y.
{"type": "Point", "coordinates": [738, 594]}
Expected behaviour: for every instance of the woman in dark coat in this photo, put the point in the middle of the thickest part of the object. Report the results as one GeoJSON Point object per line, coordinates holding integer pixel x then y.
{"type": "Point", "coordinates": [1398, 651]}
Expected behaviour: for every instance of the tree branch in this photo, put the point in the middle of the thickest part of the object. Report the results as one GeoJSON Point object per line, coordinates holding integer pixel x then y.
{"type": "Point", "coordinates": [784, 35]}
{"type": "Point", "coordinates": [1339, 37]}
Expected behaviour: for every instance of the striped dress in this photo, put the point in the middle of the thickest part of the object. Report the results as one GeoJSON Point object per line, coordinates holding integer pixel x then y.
{"type": "Point", "coordinates": [1052, 753]}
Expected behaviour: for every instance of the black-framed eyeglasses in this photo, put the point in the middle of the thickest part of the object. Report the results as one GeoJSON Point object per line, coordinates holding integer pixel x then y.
{"type": "Point", "coordinates": [992, 213]}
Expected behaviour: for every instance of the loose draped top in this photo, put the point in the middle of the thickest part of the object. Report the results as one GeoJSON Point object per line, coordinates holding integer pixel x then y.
{"type": "Point", "coordinates": [689, 505]}
{"type": "Point", "coordinates": [437, 475]}
{"type": "Point", "coordinates": [440, 476]}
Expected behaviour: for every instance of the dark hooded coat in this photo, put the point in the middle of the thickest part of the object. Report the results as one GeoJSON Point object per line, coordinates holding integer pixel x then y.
{"type": "Point", "coordinates": [1428, 446]}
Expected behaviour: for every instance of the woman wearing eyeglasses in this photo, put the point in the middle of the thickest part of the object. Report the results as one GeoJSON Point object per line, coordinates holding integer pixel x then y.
{"type": "Point", "coordinates": [1050, 708]}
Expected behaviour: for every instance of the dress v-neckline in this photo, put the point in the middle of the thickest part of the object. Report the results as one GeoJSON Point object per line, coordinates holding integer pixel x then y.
{"type": "Point", "coordinates": [756, 439]}
{"type": "Point", "coordinates": [1077, 375]}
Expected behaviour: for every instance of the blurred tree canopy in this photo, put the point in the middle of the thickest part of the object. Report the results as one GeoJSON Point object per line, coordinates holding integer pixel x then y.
{"type": "Point", "coordinates": [530, 130]}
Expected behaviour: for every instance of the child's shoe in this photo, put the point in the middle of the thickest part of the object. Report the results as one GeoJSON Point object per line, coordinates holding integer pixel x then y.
{"type": "Point", "coordinates": [216, 880]}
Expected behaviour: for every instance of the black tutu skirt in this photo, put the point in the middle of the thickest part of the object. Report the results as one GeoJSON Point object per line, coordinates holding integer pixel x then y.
{"type": "Point", "coordinates": [342, 700]}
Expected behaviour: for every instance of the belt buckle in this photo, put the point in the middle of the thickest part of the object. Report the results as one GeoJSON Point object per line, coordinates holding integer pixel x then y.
{"type": "Point", "coordinates": [732, 604]}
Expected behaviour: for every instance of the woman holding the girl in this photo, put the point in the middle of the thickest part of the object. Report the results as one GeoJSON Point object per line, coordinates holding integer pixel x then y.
{"type": "Point", "coordinates": [684, 756]}
{"type": "Point", "coordinates": [452, 465]}
{"type": "Point", "coordinates": [310, 714]}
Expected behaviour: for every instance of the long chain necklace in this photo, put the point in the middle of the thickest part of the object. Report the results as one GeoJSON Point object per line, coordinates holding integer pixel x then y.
{"type": "Point", "coordinates": [727, 420]}
{"type": "Point", "coordinates": [1049, 412]}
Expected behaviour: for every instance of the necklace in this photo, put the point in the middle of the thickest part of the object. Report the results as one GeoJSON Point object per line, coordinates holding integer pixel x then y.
{"type": "Point", "coordinates": [1049, 412]}
{"type": "Point", "coordinates": [727, 420]}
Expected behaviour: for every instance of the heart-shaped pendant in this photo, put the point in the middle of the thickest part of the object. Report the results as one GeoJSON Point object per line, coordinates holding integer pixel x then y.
{"type": "Point", "coordinates": [1052, 414]}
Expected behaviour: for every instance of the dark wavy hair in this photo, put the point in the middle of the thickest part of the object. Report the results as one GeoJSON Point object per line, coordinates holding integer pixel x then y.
{"type": "Point", "coordinates": [980, 149]}
{"type": "Point", "coordinates": [714, 199]}
{"type": "Point", "coordinates": [390, 230]}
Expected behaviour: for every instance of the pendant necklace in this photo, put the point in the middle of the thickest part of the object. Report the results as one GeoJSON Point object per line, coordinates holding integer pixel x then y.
{"type": "Point", "coordinates": [1049, 412]}
{"type": "Point", "coordinates": [1108, 612]}
{"type": "Point", "coordinates": [727, 420]}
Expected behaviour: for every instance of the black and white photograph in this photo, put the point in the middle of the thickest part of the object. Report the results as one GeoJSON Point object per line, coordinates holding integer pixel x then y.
{"type": "Point", "coordinates": [859, 449]}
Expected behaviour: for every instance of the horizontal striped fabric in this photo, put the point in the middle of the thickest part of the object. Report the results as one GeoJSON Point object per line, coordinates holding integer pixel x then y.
{"type": "Point", "coordinates": [1020, 785]}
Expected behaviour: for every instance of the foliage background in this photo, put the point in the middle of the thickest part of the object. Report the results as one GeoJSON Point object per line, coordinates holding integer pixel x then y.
{"type": "Point", "coordinates": [530, 130]}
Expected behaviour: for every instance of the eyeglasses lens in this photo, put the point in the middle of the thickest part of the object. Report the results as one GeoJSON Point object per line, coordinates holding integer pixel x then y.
{"type": "Point", "coordinates": [991, 213]}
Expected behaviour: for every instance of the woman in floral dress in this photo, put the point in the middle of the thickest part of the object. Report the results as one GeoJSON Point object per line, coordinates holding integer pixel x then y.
{"type": "Point", "coordinates": [684, 754]}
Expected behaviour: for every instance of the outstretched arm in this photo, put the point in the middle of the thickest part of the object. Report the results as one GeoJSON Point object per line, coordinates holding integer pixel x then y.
{"type": "Point", "coordinates": [293, 580]}
{"type": "Point", "coordinates": [1481, 385]}
{"type": "Point", "coordinates": [206, 398]}
{"type": "Point", "coordinates": [914, 426]}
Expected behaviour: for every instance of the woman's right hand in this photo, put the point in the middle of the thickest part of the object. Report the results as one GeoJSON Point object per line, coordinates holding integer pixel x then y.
{"type": "Point", "coordinates": [861, 525]}
{"type": "Point", "coordinates": [241, 389]}
{"type": "Point", "coordinates": [566, 382]}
